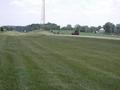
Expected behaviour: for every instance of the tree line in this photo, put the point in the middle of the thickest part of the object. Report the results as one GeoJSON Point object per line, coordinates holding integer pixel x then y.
{"type": "Point", "coordinates": [109, 28]}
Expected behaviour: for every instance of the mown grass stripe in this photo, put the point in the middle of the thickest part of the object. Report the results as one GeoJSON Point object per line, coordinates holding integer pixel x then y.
{"type": "Point", "coordinates": [59, 63]}
{"type": "Point", "coordinates": [63, 49]}
{"type": "Point", "coordinates": [56, 64]}
{"type": "Point", "coordinates": [8, 75]}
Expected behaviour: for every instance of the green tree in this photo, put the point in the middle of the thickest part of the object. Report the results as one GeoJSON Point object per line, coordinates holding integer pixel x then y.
{"type": "Point", "coordinates": [1, 29]}
{"type": "Point", "coordinates": [84, 29]}
{"type": "Point", "coordinates": [117, 29]}
{"type": "Point", "coordinates": [69, 27]}
{"type": "Point", "coordinates": [99, 27]}
{"type": "Point", "coordinates": [52, 26]}
{"type": "Point", "coordinates": [93, 29]}
{"type": "Point", "coordinates": [63, 28]}
{"type": "Point", "coordinates": [109, 27]}
{"type": "Point", "coordinates": [77, 27]}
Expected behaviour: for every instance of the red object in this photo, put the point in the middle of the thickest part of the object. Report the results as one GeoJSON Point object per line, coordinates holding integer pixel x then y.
{"type": "Point", "coordinates": [76, 33]}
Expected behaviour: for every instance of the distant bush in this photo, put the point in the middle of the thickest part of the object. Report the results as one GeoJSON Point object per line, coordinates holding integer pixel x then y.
{"type": "Point", "coordinates": [1, 29]}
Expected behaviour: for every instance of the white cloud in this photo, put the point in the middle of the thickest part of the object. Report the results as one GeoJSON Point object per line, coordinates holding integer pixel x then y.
{"type": "Point", "coordinates": [26, 2]}
{"type": "Point", "coordinates": [72, 11]}
{"type": "Point", "coordinates": [29, 6]}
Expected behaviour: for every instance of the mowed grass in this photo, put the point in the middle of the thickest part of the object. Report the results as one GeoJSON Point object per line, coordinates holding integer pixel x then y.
{"type": "Point", "coordinates": [39, 62]}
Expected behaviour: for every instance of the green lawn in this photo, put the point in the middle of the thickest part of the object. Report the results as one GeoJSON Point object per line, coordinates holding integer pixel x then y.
{"type": "Point", "coordinates": [69, 32]}
{"type": "Point", "coordinates": [39, 62]}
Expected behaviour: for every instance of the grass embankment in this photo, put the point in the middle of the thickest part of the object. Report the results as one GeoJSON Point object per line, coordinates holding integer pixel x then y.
{"type": "Point", "coordinates": [30, 62]}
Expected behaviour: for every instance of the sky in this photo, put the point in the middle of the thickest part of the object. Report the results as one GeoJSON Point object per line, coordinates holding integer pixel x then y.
{"type": "Point", "coordinates": [62, 12]}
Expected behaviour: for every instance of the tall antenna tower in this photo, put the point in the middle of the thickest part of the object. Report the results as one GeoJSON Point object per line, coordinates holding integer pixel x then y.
{"type": "Point", "coordinates": [43, 11]}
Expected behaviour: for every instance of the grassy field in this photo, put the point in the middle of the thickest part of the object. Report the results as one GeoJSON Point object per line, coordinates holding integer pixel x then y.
{"type": "Point", "coordinates": [69, 32]}
{"type": "Point", "coordinates": [39, 62]}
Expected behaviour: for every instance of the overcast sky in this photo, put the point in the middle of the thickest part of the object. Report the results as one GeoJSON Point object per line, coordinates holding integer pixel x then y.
{"type": "Point", "coordinates": [62, 12]}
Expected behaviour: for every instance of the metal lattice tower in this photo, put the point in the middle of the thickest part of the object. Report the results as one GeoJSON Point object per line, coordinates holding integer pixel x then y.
{"type": "Point", "coordinates": [43, 11]}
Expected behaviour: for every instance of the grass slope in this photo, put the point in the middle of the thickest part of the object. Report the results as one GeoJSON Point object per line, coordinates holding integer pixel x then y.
{"type": "Point", "coordinates": [58, 63]}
